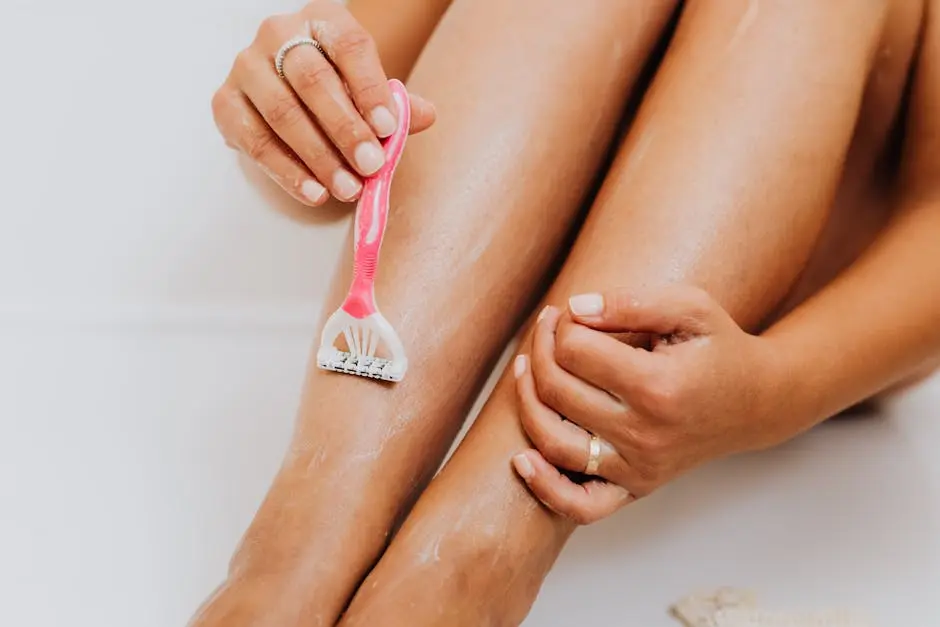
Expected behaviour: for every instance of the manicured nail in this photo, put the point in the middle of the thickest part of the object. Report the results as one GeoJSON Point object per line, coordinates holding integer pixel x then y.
{"type": "Point", "coordinates": [543, 313]}
{"type": "Point", "coordinates": [369, 158]}
{"type": "Point", "coordinates": [345, 185]}
{"type": "Point", "coordinates": [518, 366]}
{"type": "Point", "coordinates": [523, 466]}
{"type": "Point", "coordinates": [586, 304]}
{"type": "Point", "coordinates": [383, 122]}
{"type": "Point", "coordinates": [313, 191]}
{"type": "Point", "coordinates": [423, 103]}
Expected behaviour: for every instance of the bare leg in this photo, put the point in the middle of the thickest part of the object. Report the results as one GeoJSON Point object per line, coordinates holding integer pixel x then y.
{"type": "Point", "coordinates": [725, 181]}
{"type": "Point", "coordinates": [481, 206]}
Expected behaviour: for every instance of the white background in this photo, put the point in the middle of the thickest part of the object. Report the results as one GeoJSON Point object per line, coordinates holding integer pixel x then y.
{"type": "Point", "coordinates": [156, 307]}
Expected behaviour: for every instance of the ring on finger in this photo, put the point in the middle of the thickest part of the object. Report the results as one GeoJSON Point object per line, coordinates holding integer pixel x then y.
{"type": "Point", "coordinates": [290, 45]}
{"type": "Point", "coordinates": [594, 456]}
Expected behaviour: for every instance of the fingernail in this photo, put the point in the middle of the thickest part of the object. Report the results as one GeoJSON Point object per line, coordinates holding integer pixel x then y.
{"type": "Point", "coordinates": [383, 122]}
{"type": "Point", "coordinates": [523, 466]}
{"type": "Point", "coordinates": [313, 191]}
{"type": "Point", "coordinates": [425, 107]}
{"type": "Point", "coordinates": [518, 367]}
{"type": "Point", "coordinates": [586, 304]}
{"type": "Point", "coordinates": [543, 313]}
{"type": "Point", "coordinates": [369, 158]}
{"type": "Point", "coordinates": [346, 185]}
{"type": "Point", "coordinates": [423, 102]}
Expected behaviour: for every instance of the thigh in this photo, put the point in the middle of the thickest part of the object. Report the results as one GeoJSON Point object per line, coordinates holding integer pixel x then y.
{"type": "Point", "coordinates": [725, 180]}
{"type": "Point", "coordinates": [867, 192]}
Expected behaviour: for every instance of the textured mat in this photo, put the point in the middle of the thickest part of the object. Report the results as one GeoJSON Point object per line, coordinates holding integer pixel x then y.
{"type": "Point", "coordinates": [728, 607]}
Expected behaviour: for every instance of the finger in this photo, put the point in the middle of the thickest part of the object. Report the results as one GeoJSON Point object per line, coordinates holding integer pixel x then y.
{"type": "Point", "coordinates": [576, 400]}
{"type": "Point", "coordinates": [244, 128]}
{"type": "Point", "coordinates": [320, 88]}
{"type": "Point", "coordinates": [563, 443]}
{"type": "Point", "coordinates": [289, 119]}
{"type": "Point", "coordinates": [584, 504]}
{"type": "Point", "coordinates": [605, 362]}
{"type": "Point", "coordinates": [667, 310]}
{"type": "Point", "coordinates": [352, 49]}
{"type": "Point", "coordinates": [423, 114]}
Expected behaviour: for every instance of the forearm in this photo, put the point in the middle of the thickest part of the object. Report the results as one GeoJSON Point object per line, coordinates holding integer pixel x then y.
{"type": "Point", "coordinates": [400, 29]}
{"type": "Point", "coordinates": [877, 323]}
{"type": "Point", "coordinates": [873, 326]}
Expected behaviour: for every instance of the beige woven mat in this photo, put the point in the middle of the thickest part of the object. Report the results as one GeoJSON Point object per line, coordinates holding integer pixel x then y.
{"type": "Point", "coordinates": [729, 607]}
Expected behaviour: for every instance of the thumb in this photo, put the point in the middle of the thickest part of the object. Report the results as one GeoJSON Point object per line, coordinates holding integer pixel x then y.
{"type": "Point", "coordinates": [663, 311]}
{"type": "Point", "coordinates": [423, 114]}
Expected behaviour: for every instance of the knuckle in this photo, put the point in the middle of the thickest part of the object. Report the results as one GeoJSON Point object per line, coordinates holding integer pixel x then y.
{"type": "Point", "coordinates": [552, 450]}
{"type": "Point", "coordinates": [652, 461]}
{"type": "Point", "coordinates": [323, 169]}
{"type": "Point", "coordinates": [549, 393]}
{"type": "Point", "coordinates": [222, 114]}
{"type": "Point", "coordinates": [526, 417]}
{"type": "Point", "coordinates": [257, 144]}
{"type": "Point", "coordinates": [266, 26]}
{"type": "Point", "coordinates": [370, 89]}
{"type": "Point", "coordinates": [655, 449]}
{"type": "Point", "coordinates": [349, 131]}
{"type": "Point", "coordinates": [244, 61]}
{"type": "Point", "coordinates": [284, 112]}
{"type": "Point", "coordinates": [532, 428]}
{"type": "Point", "coordinates": [566, 346]}
{"type": "Point", "coordinates": [648, 474]}
{"type": "Point", "coordinates": [320, 160]}
{"type": "Point", "coordinates": [352, 41]}
{"type": "Point", "coordinates": [221, 100]}
{"type": "Point", "coordinates": [663, 394]}
{"type": "Point", "coordinates": [620, 300]}
{"type": "Point", "coordinates": [272, 25]}
{"type": "Point", "coordinates": [313, 76]}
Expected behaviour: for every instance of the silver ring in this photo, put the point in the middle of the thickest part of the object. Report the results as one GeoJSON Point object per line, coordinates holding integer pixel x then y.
{"type": "Point", "coordinates": [594, 456]}
{"type": "Point", "coordinates": [290, 45]}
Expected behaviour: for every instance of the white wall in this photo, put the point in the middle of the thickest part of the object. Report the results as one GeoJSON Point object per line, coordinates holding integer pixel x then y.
{"type": "Point", "coordinates": [156, 307]}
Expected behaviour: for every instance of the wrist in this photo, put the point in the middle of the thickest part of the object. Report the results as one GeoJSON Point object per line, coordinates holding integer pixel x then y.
{"type": "Point", "coordinates": [785, 396]}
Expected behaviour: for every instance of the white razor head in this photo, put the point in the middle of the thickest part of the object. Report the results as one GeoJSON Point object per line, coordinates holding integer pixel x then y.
{"type": "Point", "coordinates": [363, 339]}
{"type": "Point", "coordinates": [361, 365]}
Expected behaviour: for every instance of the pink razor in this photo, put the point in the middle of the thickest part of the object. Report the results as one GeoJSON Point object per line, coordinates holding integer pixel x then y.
{"type": "Point", "coordinates": [358, 320]}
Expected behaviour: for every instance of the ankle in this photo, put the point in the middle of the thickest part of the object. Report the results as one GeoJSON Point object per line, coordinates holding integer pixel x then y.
{"type": "Point", "coordinates": [307, 548]}
{"type": "Point", "coordinates": [475, 562]}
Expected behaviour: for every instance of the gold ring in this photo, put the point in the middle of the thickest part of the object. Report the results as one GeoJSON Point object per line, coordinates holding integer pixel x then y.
{"type": "Point", "coordinates": [594, 456]}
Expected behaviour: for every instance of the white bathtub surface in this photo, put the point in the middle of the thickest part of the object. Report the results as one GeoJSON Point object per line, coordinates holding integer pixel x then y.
{"type": "Point", "coordinates": [156, 307]}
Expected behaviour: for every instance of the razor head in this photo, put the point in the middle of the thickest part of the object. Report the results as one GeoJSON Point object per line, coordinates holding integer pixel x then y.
{"type": "Point", "coordinates": [360, 365]}
{"type": "Point", "coordinates": [364, 338]}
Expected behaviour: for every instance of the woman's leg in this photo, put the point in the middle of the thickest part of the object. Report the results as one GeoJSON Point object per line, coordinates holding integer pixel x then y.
{"type": "Point", "coordinates": [482, 204]}
{"type": "Point", "coordinates": [725, 181]}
